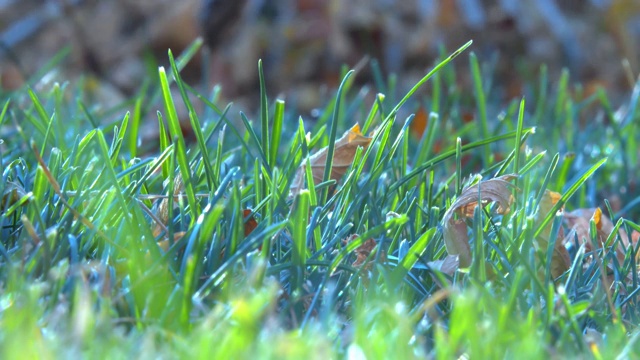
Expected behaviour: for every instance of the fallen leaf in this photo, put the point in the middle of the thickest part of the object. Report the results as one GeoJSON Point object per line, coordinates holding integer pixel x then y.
{"type": "Point", "coordinates": [164, 243]}
{"type": "Point", "coordinates": [467, 117]}
{"type": "Point", "coordinates": [449, 265]}
{"type": "Point", "coordinates": [362, 252]}
{"type": "Point", "coordinates": [547, 202]}
{"type": "Point", "coordinates": [250, 223]}
{"type": "Point", "coordinates": [345, 151]}
{"type": "Point", "coordinates": [419, 124]}
{"type": "Point", "coordinates": [579, 223]}
{"type": "Point", "coordinates": [456, 239]}
{"type": "Point", "coordinates": [12, 193]}
{"type": "Point", "coordinates": [560, 259]}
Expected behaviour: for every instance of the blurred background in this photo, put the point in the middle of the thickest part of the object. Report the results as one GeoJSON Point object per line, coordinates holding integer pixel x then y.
{"type": "Point", "coordinates": [304, 43]}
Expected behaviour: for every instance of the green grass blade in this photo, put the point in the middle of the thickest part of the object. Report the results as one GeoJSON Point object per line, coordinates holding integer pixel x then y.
{"type": "Point", "coordinates": [276, 133]}
{"type": "Point", "coordinates": [264, 113]}
{"type": "Point", "coordinates": [481, 101]}
{"type": "Point", "coordinates": [164, 144]}
{"type": "Point", "coordinates": [299, 236]}
{"type": "Point", "coordinates": [181, 148]}
{"type": "Point", "coordinates": [195, 125]}
{"type": "Point", "coordinates": [333, 129]}
{"type": "Point", "coordinates": [419, 84]}
{"type": "Point", "coordinates": [118, 140]}
{"type": "Point", "coordinates": [414, 254]}
{"type": "Point", "coordinates": [136, 120]}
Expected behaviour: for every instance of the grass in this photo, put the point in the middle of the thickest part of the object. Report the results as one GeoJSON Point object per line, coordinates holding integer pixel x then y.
{"type": "Point", "coordinates": [198, 249]}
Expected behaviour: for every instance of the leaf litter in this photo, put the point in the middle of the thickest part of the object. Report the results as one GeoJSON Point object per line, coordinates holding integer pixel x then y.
{"type": "Point", "coordinates": [456, 238]}
{"type": "Point", "coordinates": [344, 153]}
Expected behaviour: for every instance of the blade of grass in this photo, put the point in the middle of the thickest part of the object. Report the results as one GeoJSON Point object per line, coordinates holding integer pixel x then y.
{"type": "Point", "coordinates": [114, 151]}
{"type": "Point", "coordinates": [299, 237]}
{"type": "Point", "coordinates": [447, 154]}
{"type": "Point", "coordinates": [181, 148]}
{"type": "Point", "coordinates": [276, 133]}
{"type": "Point", "coordinates": [333, 129]}
{"type": "Point", "coordinates": [136, 119]}
{"type": "Point", "coordinates": [414, 254]}
{"type": "Point", "coordinates": [212, 180]}
{"type": "Point", "coordinates": [481, 102]}
{"type": "Point", "coordinates": [264, 114]}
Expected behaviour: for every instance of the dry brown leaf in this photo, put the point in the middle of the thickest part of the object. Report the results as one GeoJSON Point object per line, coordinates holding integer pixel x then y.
{"type": "Point", "coordinates": [547, 202]}
{"type": "Point", "coordinates": [560, 260]}
{"type": "Point", "coordinates": [345, 151]}
{"type": "Point", "coordinates": [251, 223]}
{"type": "Point", "coordinates": [12, 193]}
{"type": "Point", "coordinates": [362, 252]}
{"type": "Point", "coordinates": [456, 239]}
{"type": "Point", "coordinates": [419, 124]}
{"type": "Point", "coordinates": [449, 265]}
{"type": "Point", "coordinates": [164, 243]}
{"type": "Point", "coordinates": [579, 223]}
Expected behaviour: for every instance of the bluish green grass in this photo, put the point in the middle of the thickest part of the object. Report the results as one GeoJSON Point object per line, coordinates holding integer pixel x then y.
{"type": "Point", "coordinates": [90, 264]}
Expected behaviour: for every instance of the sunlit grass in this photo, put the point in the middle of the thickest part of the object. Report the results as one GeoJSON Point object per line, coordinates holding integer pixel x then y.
{"type": "Point", "coordinates": [108, 250]}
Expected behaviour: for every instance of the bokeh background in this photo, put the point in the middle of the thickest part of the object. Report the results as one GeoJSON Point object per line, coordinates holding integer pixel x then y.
{"type": "Point", "coordinates": [304, 43]}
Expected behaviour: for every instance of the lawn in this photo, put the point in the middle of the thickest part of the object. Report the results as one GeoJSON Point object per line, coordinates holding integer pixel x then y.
{"type": "Point", "coordinates": [440, 223]}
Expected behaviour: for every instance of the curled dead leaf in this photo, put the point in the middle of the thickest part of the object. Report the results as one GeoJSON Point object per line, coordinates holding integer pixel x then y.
{"type": "Point", "coordinates": [345, 151]}
{"type": "Point", "coordinates": [456, 239]}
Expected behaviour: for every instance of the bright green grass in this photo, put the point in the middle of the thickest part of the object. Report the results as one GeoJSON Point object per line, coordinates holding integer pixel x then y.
{"type": "Point", "coordinates": [81, 273]}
